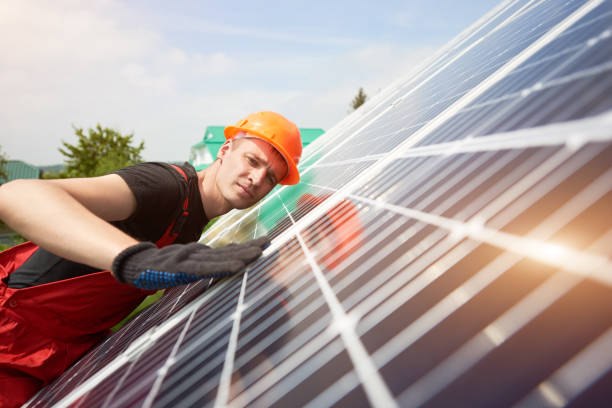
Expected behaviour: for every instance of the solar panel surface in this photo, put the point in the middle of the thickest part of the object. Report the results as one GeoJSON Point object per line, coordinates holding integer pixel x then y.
{"type": "Point", "coordinates": [449, 245]}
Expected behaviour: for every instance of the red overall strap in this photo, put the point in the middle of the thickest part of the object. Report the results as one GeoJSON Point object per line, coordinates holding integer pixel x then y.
{"type": "Point", "coordinates": [45, 328]}
{"type": "Point", "coordinates": [170, 236]}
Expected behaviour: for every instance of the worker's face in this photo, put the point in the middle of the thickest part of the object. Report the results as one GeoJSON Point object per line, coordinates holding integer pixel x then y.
{"type": "Point", "coordinates": [249, 169]}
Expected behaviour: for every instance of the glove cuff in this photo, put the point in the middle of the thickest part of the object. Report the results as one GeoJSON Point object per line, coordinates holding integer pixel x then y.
{"type": "Point", "coordinates": [123, 273]}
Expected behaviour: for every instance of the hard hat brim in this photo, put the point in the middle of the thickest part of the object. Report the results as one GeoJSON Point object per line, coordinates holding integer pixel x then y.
{"type": "Point", "coordinates": [293, 175]}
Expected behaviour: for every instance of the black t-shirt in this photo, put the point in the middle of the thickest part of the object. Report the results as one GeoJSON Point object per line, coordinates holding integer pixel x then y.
{"type": "Point", "coordinates": [160, 192]}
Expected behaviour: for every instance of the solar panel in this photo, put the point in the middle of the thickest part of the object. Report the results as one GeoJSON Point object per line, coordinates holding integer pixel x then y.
{"type": "Point", "coordinates": [449, 245]}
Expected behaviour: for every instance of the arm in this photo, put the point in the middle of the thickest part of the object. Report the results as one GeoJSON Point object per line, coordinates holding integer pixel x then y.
{"type": "Point", "coordinates": [67, 217]}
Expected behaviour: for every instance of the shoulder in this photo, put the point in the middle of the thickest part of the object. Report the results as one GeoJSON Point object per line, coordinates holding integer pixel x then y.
{"type": "Point", "coordinates": [157, 169]}
{"type": "Point", "coordinates": [151, 178]}
{"type": "Point", "coordinates": [156, 186]}
{"type": "Point", "coordinates": [145, 169]}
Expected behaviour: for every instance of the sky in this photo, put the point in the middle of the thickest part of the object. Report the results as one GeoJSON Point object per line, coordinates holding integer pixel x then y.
{"type": "Point", "coordinates": [165, 70]}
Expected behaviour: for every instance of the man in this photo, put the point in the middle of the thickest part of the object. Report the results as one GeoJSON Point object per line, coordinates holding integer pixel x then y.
{"type": "Point", "coordinates": [106, 242]}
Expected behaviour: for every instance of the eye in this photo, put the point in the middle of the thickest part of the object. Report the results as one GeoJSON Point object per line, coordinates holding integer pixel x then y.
{"type": "Point", "coordinates": [252, 161]}
{"type": "Point", "coordinates": [271, 179]}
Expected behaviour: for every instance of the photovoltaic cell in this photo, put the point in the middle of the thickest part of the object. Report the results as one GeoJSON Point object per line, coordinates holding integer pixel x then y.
{"type": "Point", "coordinates": [449, 244]}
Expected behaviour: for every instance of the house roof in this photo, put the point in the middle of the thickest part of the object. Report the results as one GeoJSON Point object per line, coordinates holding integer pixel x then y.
{"type": "Point", "coordinates": [17, 169]}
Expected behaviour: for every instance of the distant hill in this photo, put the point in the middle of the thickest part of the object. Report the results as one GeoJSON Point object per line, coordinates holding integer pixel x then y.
{"type": "Point", "coordinates": [51, 169]}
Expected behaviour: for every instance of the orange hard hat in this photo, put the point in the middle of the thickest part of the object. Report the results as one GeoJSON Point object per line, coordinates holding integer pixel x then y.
{"type": "Point", "coordinates": [279, 132]}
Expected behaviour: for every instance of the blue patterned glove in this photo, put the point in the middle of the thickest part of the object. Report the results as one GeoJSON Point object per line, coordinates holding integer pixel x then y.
{"type": "Point", "coordinates": [148, 267]}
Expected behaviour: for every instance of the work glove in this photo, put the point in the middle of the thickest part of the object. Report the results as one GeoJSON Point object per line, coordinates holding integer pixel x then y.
{"type": "Point", "coordinates": [148, 267]}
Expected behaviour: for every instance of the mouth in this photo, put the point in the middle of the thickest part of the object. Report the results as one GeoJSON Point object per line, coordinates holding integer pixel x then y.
{"type": "Point", "coordinates": [245, 191]}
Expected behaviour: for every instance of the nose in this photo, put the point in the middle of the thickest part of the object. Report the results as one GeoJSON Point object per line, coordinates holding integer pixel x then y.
{"type": "Point", "coordinates": [258, 175]}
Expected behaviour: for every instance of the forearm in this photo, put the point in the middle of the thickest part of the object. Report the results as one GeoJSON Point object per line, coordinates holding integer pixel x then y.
{"type": "Point", "coordinates": [53, 219]}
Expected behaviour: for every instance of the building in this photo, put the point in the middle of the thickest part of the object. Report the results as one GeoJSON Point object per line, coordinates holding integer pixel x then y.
{"type": "Point", "coordinates": [203, 153]}
{"type": "Point", "coordinates": [17, 169]}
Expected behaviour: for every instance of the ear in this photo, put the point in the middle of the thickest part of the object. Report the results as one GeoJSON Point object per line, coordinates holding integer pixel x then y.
{"type": "Point", "coordinates": [225, 147]}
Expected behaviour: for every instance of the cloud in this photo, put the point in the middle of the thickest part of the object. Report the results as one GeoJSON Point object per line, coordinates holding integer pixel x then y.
{"type": "Point", "coordinates": [203, 26]}
{"type": "Point", "coordinates": [138, 75]}
{"type": "Point", "coordinates": [402, 19]}
{"type": "Point", "coordinates": [72, 63]}
{"type": "Point", "coordinates": [214, 64]}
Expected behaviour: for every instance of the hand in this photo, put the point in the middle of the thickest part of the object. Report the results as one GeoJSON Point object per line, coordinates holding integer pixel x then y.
{"type": "Point", "coordinates": [148, 267]}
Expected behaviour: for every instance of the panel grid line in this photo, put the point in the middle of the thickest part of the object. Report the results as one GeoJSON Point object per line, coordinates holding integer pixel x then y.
{"type": "Point", "coordinates": [370, 172]}
{"type": "Point", "coordinates": [431, 273]}
{"type": "Point", "coordinates": [578, 373]}
{"type": "Point", "coordinates": [488, 338]}
{"type": "Point", "coordinates": [567, 258]}
{"type": "Point", "coordinates": [376, 390]}
{"type": "Point", "coordinates": [484, 214]}
{"type": "Point", "coordinates": [161, 374]}
{"type": "Point", "coordinates": [541, 85]}
{"type": "Point", "coordinates": [152, 334]}
{"type": "Point", "coordinates": [493, 270]}
{"type": "Point", "coordinates": [496, 333]}
{"type": "Point", "coordinates": [449, 111]}
{"type": "Point", "coordinates": [521, 138]}
{"type": "Point", "coordinates": [228, 366]}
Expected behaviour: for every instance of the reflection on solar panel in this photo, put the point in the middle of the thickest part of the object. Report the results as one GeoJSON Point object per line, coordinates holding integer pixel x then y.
{"type": "Point", "coordinates": [450, 245]}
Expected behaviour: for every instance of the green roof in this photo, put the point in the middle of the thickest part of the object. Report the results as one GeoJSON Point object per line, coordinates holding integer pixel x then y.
{"type": "Point", "coordinates": [17, 169]}
{"type": "Point", "coordinates": [310, 134]}
{"type": "Point", "coordinates": [214, 138]}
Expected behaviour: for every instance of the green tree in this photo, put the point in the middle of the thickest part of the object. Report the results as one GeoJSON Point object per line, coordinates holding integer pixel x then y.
{"type": "Point", "coordinates": [359, 99]}
{"type": "Point", "coordinates": [3, 173]}
{"type": "Point", "coordinates": [99, 152]}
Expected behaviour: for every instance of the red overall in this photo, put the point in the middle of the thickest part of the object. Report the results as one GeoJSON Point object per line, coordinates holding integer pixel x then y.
{"type": "Point", "coordinates": [46, 328]}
